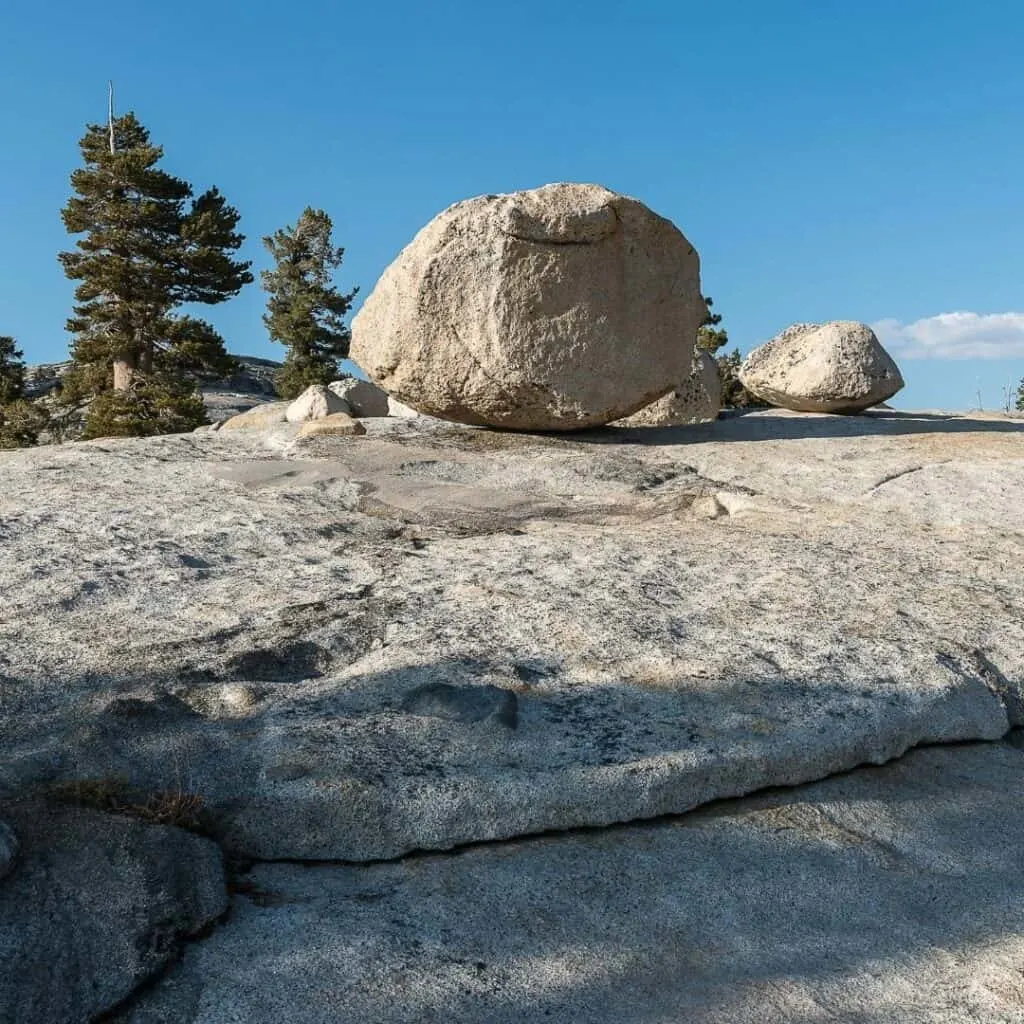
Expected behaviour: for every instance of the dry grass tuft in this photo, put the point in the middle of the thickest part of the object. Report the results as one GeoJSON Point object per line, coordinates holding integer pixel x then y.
{"type": "Point", "coordinates": [115, 796]}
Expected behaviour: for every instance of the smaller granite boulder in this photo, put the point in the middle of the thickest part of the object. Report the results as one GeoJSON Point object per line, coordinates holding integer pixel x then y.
{"type": "Point", "coordinates": [338, 424]}
{"type": "Point", "coordinates": [697, 400]}
{"type": "Point", "coordinates": [837, 367]}
{"type": "Point", "coordinates": [261, 416]}
{"type": "Point", "coordinates": [316, 402]}
{"type": "Point", "coordinates": [364, 398]}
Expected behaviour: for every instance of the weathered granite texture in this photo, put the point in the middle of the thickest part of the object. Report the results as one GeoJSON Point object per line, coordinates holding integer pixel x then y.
{"type": "Point", "coordinates": [433, 635]}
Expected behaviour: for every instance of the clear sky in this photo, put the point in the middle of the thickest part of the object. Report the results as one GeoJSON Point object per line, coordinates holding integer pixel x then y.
{"type": "Point", "coordinates": [829, 160]}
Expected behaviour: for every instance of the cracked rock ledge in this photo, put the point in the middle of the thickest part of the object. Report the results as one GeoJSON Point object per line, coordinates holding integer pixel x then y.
{"type": "Point", "coordinates": [708, 723]}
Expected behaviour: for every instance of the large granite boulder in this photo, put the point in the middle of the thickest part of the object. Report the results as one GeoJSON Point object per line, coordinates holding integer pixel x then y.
{"type": "Point", "coordinates": [837, 367]}
{"type": "Point", "coordinates": [697, 400]}
{"type": "Point", "coordinates": [558, 308]}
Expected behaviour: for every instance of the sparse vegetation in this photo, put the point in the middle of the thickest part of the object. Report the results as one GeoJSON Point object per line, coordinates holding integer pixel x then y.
{"type": "Point", "coordinates": [114, 795]}
{"type": "Point", "coordinates": [305, 311]}
{"type": "Point", "coordinates": [711, 338]}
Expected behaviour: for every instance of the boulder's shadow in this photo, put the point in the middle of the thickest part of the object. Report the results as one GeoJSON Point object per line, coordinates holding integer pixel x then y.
{"type": "Point", "coordinates": [778, 425]}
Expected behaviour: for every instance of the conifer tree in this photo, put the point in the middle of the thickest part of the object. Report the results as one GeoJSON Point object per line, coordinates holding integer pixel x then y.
{"type": "Point", "coordinates": [305, 311]}
{"type": "Point", "coordinates": [709, 337]}
{"type": "Point", "coordinates": [1020, 397]}
{"type": "Point", "coordinates": [12, 371]}
{"type": "Point", "coordinates": [20, 420]}
{"type": "Point", "coordinates": [147, 248]}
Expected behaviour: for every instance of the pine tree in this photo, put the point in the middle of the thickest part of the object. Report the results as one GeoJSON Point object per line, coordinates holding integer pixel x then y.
{"type": "Point", "coordinates": [146, 250]}
{"type": "Point", "coordinates": [1020, 397]}
{"type": "Point", "coordinates": [305, 312]}
{"type": "Point", "coordinates": [20, 420]}
{"type": "Point", "coordinates": [12, 371]}
{"type": "Point", "coordinates": [709, 338]}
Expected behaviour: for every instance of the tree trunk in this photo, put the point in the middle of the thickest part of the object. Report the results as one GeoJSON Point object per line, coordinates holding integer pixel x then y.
{"type": "Point", "coordinates": [123, 370]}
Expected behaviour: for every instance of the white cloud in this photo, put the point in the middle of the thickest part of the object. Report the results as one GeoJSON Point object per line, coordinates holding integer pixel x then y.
{"type": "Point", "coordinates": [955, 336]}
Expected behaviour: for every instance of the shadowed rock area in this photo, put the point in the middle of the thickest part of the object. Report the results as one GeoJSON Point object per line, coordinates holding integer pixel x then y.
{"type": "Point", "coordinates": [96, 906]}
{"type": "Point", "coordinates": [884, 896]}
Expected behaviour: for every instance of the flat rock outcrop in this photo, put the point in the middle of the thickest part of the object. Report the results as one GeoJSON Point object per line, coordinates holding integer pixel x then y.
{"type": "Point", "coordinates": [838, 367]}
{"type": "Point", "coordinates": [353, 648]}
{"type": "Point", "coordinates": [558, 308]}
{"type": "Point", "coordinates": [697, 400]}
{"type": "Point", "coordinates": [676, 616]}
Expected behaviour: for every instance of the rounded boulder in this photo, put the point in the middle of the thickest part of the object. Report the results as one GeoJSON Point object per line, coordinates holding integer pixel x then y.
{"type": "Point", "coordinates": [558, 308]}
{"type": "Point", "coordinates": [837, 367]}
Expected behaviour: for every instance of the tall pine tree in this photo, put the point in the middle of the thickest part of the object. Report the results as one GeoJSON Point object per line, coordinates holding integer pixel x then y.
{"type": "Point", "coordinates": [305, 312]}
{"type": "Point", "coordinates": [147, 248]}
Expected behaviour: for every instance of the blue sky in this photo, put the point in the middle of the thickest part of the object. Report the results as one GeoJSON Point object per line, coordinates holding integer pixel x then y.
{"type": "Point", "coordinates": [829, 160]}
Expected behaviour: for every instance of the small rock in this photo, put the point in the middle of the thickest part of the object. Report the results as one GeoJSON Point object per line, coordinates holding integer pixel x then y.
{"type": "Point", "coordinates": [400, 410]}
{"type": "Point", "coordinates": [838, 367]}
{"type": "Point", "coordinates": [256, 419]}
{"type": "Point", "coordinates": [338, 424]}
{"type": "Point", "coordinates": [363, 397]}
{"type": "Point", "coordinates": [316, 402]}
{"type": "Point", "coordinates": [697, 400]}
